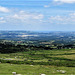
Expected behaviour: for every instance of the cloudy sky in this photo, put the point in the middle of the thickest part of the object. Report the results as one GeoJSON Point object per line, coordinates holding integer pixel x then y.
{"type": "Point", "coordinates": [37, 15]}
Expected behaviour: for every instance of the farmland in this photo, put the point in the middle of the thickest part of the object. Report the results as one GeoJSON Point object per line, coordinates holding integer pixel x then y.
{"type": "Point", "coordinates": [37, 62]}
{"type": "Point", "coordinates": [33, 53]}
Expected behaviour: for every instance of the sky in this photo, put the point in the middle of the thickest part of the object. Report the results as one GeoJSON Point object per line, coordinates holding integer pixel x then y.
{"type": "Point", "coordinates": [37, 15]}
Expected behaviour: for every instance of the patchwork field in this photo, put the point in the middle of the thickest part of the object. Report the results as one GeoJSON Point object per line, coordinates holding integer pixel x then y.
{"type": "Point", "coordinates": [48, 62]}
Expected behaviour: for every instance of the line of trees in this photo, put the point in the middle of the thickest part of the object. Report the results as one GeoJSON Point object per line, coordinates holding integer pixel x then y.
{"type": "Point", "coordinates": [12, 48]}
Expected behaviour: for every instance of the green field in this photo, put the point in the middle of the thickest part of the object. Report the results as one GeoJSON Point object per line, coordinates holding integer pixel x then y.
{"type": "Point", "coordinates": [7, 69]}
{"type": "Point", "coordinates": [49, 62]}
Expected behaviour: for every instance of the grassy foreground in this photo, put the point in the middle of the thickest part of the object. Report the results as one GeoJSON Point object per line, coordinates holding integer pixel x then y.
{"type": "Point", "coordinates": [49, 62]}
{"type": "Point", "coordinates": [7, 69]}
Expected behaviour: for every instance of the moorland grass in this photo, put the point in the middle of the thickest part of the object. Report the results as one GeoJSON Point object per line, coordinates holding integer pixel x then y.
{"type": "Point", "coordinates": [43, 61]}
{"type": "Point", "coordinates": [7, 69]}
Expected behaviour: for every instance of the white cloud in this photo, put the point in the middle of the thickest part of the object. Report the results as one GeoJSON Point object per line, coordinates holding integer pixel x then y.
{"type": "Point", "coordinates": [59, 18]}
{"type": "Point", "coordinates": [65, 1]}
{"type": "Point", "coordinates": [68, 19]}
{"type": "Point", "coordinates": [2, 21]}
{"type": "Point", "coordinates": [59, 2]}
{"type": "Point", "coordinates": [39, 16]}
{"type": "Point", "coordinates": [46, 6]}
{"type": "Point", "coordinates": [25, 16]}
{"type": "Point", "coordinates": [1, 18]}
{"type": "Point", "coordinates": [72, 14]}
{"type": "Point", "coordinates": [4, 9]}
